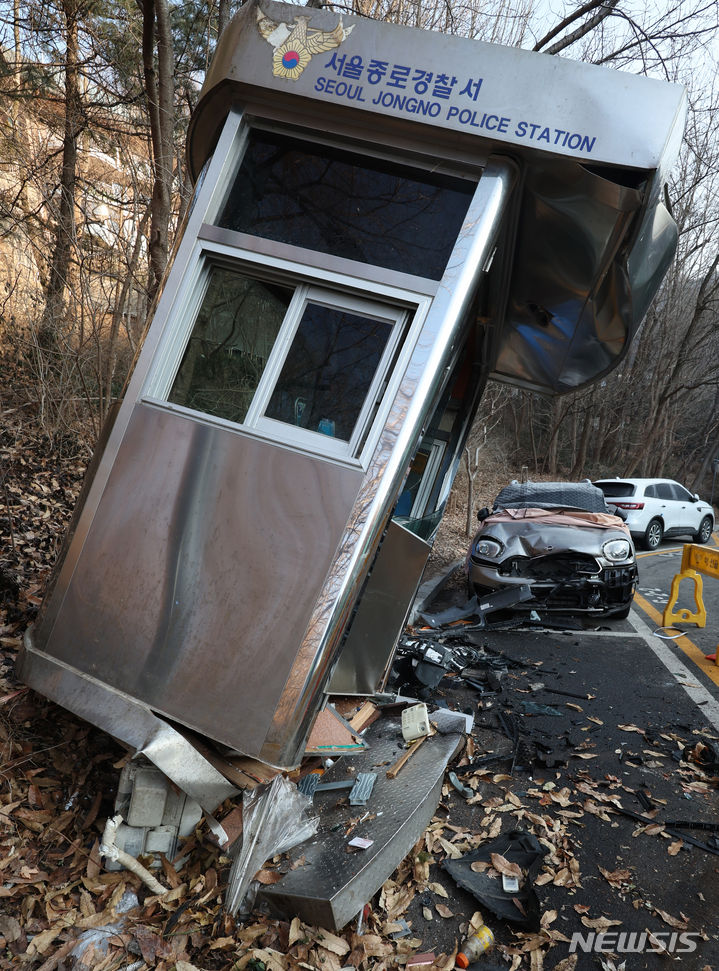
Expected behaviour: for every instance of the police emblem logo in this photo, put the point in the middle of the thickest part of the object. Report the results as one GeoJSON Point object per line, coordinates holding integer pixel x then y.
{"type": "Point", "coordinates": [295, 43]}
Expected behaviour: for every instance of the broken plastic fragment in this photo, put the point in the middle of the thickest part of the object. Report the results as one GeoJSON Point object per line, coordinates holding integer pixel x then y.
{"type": "Point", "coordinates": [522, 907]}
{"type": "Point", "coordinates": [274, 821]}
{"type": "Point", "coordinates": [360, 843]}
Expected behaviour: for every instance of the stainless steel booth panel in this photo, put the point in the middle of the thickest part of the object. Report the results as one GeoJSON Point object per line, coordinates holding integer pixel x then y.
{"type": "Point", "coordinates": [380, 615]}
{"type": "Point", "coordinates": [200, 571]}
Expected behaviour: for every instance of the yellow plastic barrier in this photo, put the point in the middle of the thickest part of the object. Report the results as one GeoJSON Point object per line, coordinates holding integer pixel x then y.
{"type": "Point", "coordinates": [695, 561]}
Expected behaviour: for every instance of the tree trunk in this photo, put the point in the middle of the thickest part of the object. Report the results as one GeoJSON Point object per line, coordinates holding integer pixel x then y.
{"type": "Point", "coordinates": [223, 16]}
{"type": "Point", "coordinates": [54, 312]}
{"type": "Point", "coordinates": [581, 457]}
{"type": "Point", "coordinates": [159, 94]}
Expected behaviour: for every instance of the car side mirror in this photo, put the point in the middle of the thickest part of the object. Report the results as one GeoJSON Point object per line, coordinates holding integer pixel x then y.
{"type": "Point", "coordinates": [618, 511]}
{"type": "Point", "coordinates": [695, 497]}
{"type": "Point", "coordinates": [482, 513]}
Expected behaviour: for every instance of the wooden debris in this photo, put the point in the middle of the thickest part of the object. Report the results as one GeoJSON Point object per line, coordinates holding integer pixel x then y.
{"type": "Point", "coordinates": [395, 769]}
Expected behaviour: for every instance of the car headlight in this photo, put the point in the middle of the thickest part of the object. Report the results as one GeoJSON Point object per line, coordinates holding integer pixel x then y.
{"type": "Point", "coordinates": [617, 550]}
{"type": "Point", "coordinates": [489, 549]}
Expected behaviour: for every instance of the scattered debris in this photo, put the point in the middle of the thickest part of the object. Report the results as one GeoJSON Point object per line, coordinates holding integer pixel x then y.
{"type": "Point", "coordinates": [394, 771]}
{"type": "Point", "coordinates": [477, 944]}
{"type": "Point", "coordinates": [112, 852]}
{"type": "Point", "coordinates": [415, 722]}
{"type": "Point", "coordinates": [360, 843]}
{"type": "Point", "coordinates": [275, 819]}
{"type": "Point", "coordinates": [518, 853]}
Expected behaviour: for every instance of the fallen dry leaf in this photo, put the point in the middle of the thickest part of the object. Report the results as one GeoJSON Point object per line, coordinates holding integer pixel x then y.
{"type": "Point", "coordinates": [567, 964]}
{"type": "Point", "coordinates": [653, 829]}
{"type": "Point", "coordinates": [268, 877]}
{"type": "Point", "coordinates": [548, 917]}
{"type": "Point", "coordinates": [536, 960]}
{"type": "Point", "coordinates": [479, 866]}
{"type": "Point", "coordinates": [600, 923]}
{"type": "Point", "coordinates": [615, 877]}
{"type": "Point", "coordinates": [296, 932]}
{"type": "Point", "coordinates": [657, 945]}
{"type": "Point", "coordinates": [502, 865]}
{"type": "Point", "coordinates": [671, 921]}
{"type": "Point", "coordinates": [449, 848]}
{"type": "Point", "coordinates": [331, 942]}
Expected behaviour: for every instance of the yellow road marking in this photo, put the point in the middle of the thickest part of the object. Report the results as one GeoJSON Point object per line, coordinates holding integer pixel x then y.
{"type": "Point", "coordinates": [688, 647]}
{"type": "Point", "coordinates": [676, 549]}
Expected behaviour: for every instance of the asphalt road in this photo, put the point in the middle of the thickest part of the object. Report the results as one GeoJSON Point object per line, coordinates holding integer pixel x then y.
{"type": "Point", "coordinates": [647, 700]}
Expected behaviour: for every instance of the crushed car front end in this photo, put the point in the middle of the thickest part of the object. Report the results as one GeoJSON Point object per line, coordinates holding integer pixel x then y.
{"type": "Point", "coordinates": [573, 561]}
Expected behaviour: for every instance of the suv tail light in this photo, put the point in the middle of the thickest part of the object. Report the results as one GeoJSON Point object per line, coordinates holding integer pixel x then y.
{"type": "Point", "coordinates": [628, 505]}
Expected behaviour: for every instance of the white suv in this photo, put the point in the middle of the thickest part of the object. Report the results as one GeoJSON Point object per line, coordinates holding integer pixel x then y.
{"type": "Point", "coordinates": [656, 508]}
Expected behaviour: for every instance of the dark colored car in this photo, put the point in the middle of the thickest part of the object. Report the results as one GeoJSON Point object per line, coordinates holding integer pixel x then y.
{"type": "Point", "coordinates": [561, 540]}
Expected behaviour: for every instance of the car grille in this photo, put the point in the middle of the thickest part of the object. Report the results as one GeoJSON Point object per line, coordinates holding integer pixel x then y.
{"type": "Point", "coordinates": [573, 581]}
{"type": "Point", "coordinates": [557, 566]}
{"type": "Point", "coordinates": [619, 584]}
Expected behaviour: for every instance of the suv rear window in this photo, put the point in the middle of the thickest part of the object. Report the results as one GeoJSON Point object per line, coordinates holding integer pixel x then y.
{"type": "Point", "coordinates": [614, 490]}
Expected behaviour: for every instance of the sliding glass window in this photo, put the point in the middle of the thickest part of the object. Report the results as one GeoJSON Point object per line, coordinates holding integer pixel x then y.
{"type": "Point", "coordinates": [301, 364]}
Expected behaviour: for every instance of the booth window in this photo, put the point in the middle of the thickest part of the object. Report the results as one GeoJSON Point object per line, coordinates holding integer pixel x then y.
{"type": "Point", "coordinates": [234, 333]}
{"type": "Point", "coordinates": [336, 202]}
{"type": "Point", "coordinates": [328, 371]}
{"type": "Point", "coordinates": [307, 359]}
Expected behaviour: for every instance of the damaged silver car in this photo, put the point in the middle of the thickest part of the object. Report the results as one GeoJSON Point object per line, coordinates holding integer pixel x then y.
{"type": "Point", "coordinates": [561, 540]}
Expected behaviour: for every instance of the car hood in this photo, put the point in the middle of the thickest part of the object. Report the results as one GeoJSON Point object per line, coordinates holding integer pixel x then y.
{"type": "Point", "coordinates": [538, 532]}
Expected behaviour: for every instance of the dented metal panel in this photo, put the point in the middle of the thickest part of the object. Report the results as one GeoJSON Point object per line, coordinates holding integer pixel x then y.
{"type": "Point", "coordinates": [197, 567]}
{"type": "Point", "coordinates": [381, 613]}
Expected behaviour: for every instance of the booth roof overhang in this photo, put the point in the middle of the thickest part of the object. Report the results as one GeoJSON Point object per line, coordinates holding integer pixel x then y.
{"type": "Point", "coordinates": [590, 237]}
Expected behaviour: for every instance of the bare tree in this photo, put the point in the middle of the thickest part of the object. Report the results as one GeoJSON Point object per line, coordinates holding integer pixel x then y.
{"type": "Point", "coordinates": [158, 62]}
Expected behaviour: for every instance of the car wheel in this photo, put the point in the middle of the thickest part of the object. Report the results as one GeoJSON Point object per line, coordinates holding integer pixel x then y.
{"type": "Point", "coordinates": [622, 614]}
{"type": "Point", "coordinates": [653, 535]}
{"type": "Point", "coordinates": [704, 532]}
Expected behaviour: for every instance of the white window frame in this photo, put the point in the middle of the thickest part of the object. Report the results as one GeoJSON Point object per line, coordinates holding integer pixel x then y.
{"type": "Point", "coordinates": [405, 311]}
{"type": "Point", "coordinates": [434, 459]}
{"type": "Point", "coordinates": [281, 431]}
{"type": "Point", "coordinates": [399, 297]}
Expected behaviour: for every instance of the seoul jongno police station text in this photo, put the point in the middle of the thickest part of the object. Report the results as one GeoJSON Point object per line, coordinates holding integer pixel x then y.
{"type": "Point", "coordinates": [439, 88]}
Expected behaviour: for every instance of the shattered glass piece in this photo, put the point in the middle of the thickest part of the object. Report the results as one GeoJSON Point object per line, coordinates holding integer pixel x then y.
{"type": "Point", "coordinates": [532, 708]}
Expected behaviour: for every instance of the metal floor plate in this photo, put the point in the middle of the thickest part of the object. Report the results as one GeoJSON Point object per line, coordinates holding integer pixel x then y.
{"type": "Point", "coordinates": [333, 884]}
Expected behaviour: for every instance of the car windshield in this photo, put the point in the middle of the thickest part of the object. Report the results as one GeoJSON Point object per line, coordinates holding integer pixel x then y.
{"type": "Point", "coordinates": [551, 495]}
{"type": "Point", "coordinates": [615, 490]}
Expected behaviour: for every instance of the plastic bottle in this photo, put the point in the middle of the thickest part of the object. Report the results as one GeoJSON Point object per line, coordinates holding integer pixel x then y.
{"type": "Point", "coordinates": [476, 945]}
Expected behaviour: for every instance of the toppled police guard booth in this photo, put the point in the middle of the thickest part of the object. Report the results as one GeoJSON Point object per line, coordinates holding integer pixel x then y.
{"type": "Point", "coordinates": [383, 218]}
